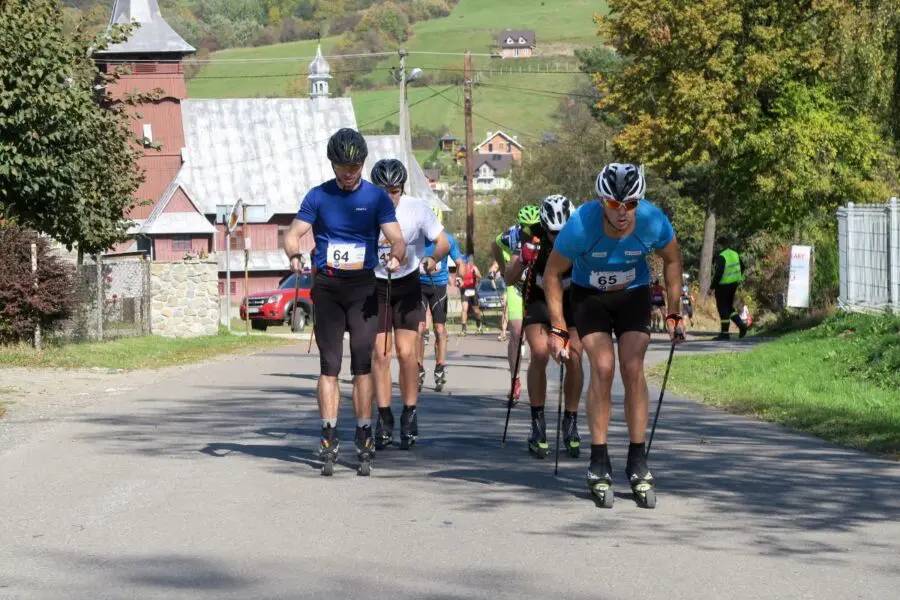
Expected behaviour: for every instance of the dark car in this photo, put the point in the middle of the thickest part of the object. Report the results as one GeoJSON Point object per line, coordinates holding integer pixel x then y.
{"type": "Point", "coordinates": [275, 307]}
{"type": "Point", "coordinates": [490, 294]}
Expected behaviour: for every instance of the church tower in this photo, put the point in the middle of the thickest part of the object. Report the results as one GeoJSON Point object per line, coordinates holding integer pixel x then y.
{"type": "Point", "coordinates": [319, 74]}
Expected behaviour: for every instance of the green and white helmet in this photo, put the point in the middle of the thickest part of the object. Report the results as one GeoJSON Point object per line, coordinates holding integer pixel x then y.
{"type": "Point", "coordinates": [529, 215]}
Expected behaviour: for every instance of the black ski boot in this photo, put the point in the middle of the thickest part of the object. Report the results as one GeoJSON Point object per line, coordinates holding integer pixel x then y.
{"type": "Point", "coordinates": [639, 476]}
{"type": "Point", "coordinates": [570, 434]}
{"type": "Point", "coordinates": [409, 427]}
{"type": "Point", "coordinates": [599, 478]}
{"type": "Point", "coordinates": [365, 450]}
{"type": "Point", "coordinates": [421, 377]}
{"type": "Point", "coordinates": [328, 450]}
{"type": "Point", "coordinates": [537, 443]}
{"type": "Point", "coordinates": [440, 377]}
{"type": "Point", "coordinates": [384, 429]}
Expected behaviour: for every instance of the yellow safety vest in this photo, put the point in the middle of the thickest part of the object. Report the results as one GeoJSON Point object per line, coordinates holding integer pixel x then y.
{"type": "Point", "coordinates": [732, 272]}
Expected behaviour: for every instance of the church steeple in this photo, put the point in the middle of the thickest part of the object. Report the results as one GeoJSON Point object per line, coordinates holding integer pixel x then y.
{"type": "Point", "coordinates": [153, 36]}
{"type": "Point", "coordinates": [319, 74]}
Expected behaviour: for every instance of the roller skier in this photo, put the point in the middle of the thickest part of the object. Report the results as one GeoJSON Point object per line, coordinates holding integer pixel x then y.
{"type": "Point", "coordinates": [606, 243]}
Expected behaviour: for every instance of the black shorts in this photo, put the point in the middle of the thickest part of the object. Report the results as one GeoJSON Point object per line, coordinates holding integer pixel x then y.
{"type": "Point", "coordinates": [472, 300]}
{"type": "Point", "coordinates": [434, 297]}
{"type": "Point", "coordinates": [345, 303]}
{"type": "Point", "coordinates": [406, 310]}
{"type": "Point", "coordinates": [619, 311]}
{"type": "Point", "coordinates": [538, 313]}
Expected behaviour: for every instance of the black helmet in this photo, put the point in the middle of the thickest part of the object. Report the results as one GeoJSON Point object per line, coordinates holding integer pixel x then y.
{"type": "Point", "coordinates": [622, 182]}
{"type": "Point", "coordinates": [389, 173]}
{"type": "Point", "coordinates": [347, 147]}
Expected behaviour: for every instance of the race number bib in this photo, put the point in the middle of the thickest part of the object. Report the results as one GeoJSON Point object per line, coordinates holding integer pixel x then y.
{"type": "Point", "coordinates": [607, 281]}
{"type": "Point", "coordinates": [384, 253]}
{"type": "Point", "coordinates": [347, 257]}
{"type": "Point", "coordinates": [469, 293]}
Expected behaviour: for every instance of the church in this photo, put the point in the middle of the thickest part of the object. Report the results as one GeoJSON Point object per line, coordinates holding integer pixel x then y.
{"type": "Point", "coordinates": [201, 156]}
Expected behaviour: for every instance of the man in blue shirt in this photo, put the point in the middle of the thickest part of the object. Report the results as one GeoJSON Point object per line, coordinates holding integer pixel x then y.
{"type": "Point", "coordinates": [606, 243]}
{"type": "Point", "coordinates": [434, 299]}
{"type": "Point", "coordinates": [346, 216]}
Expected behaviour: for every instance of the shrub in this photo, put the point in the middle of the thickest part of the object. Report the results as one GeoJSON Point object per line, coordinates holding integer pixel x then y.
{"type": "Point", "coordinates": [22, 306]}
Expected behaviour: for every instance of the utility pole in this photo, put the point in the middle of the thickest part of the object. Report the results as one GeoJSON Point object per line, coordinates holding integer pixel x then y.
{"type": "Point", "coordinates": [405, 137]}
{"type": "Point", "coordinates": [470, 190]}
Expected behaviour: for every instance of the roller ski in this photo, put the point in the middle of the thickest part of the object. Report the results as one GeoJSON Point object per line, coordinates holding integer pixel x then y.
{"type": "Point", "coordinates": [537, 443]}
{"type": "Point", "coordinates": [421, 377]}
{"type": "Point", "coordinates": [440, 378]}
{"type": "Point", "coordinates": [599, 480]}
{"type": "Point", "coordinates": [409, 427]}
{"type": "Point", "coordinates": [328, 450]}
{"type": "Point", "coordinates": [365, 450]}
{"type": "Point", "coordinates": [571, 439]}
{"type": "Point", "coordinates": [641, 481]}
{"type": "Point", "coordinates": [384, 429]}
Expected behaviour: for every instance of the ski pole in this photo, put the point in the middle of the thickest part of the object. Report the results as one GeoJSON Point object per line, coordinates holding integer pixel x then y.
{"type": "Point", "coordinates": [294, 310]}
{"type": "Point", "coordinates": [562, 367]}
{"type": "Point", "coordinates": [515, 374]}
{"type": "Point", "coordinates": [659, 404]}
{"type": "Point", "coordinates": [387, 309]}
{"type": "Point", "coordinates": [312, 332]}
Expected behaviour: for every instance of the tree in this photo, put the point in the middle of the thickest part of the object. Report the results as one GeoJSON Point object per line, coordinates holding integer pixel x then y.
{"type": "Point", "coordinates": [68, 166]}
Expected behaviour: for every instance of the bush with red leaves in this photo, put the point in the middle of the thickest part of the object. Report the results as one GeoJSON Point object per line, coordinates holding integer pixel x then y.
{"type": "Point", "coordinates": [22, 305]}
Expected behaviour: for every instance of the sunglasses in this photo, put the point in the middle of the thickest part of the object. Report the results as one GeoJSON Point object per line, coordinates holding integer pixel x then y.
{"type": "Point", "coordinates": [616, 204]}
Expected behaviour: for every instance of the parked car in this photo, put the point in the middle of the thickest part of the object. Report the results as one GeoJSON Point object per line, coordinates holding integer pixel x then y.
{"type": "Point", "coordinates": [275, 307]}
{"type": "Point", "coordinates": [490, 294]}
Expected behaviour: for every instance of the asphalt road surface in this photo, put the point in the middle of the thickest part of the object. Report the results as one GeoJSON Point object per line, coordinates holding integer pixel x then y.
{"type": "Point", "coordinates": [204, 484]}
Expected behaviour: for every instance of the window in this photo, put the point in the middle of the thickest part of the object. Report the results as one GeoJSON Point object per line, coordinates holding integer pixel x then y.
{"type": "Point", "coordinates": [147, 131]}
{"type": "Point", "coordinates": [181, 242]}
{"type": "Point", "coordinates": [515, 51]}
{"type": "Point", "coordinates": [522, 40]}
{"type": "Point", "coordinates": [509, 147]}
{"type": "Point", "coordinates": [237, 241]}
{"type": "Point", "coordinates": [510, 41]}
{"type": "Point", "coordinates": [144, 68]}
{"type": "Point", "coordinates": [282, 229]}
{"type": "Point", "coordinates": [490, 147]}
{"type": "Point", "coordinates": [498, 157]}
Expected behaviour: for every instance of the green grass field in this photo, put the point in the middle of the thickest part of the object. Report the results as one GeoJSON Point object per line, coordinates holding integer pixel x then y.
{"type": "Point", "coordinates": [560, 26]}
{"type": "Point", "coordinates": [151, 352]}
{"type": "Point", "coordinates": [839, 381]}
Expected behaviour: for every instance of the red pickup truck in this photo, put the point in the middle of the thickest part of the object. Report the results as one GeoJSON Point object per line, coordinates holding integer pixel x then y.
{"type": "Point", "coordinates": [275, 307]}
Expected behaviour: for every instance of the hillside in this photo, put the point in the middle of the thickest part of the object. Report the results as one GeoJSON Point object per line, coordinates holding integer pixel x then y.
{"type": "Point", "coordinates": [560, 25]}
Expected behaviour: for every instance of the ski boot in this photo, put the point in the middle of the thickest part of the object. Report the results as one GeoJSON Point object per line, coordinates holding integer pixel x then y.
{"type": "Point", "coordinates": [365, 450]}
{"type": "Point", "coordinates": [479, 329]}
{"type": "Point", "coordinates": [537, 443]}
{"type": "Point", "coordinates": [570, 434]}
{"type": "Point", "coordinates": [440, 377]}
{"type": "Point", "coordinates": [384, 429]}
{"type": "Point", "coordinates": [742, 327]}
{"type": "Point", "coordinates": [328, 450]}
{"type": "Point", "coordinates": [409, 427]}
{"type": "Point", "coordinates": [641, 481]}
{"type": "Point", "coordinates": [421, 377]}
{"type": "Point", "coordinates": [463, 332]}
{"type": "Point", "coordinates": [599, 480]}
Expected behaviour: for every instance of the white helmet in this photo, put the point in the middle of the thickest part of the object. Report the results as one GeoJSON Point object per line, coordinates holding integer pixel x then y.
{"type": "Point", "coordinates": [622, 182]}
{"type": "Point", "coordinates": [555, 211]}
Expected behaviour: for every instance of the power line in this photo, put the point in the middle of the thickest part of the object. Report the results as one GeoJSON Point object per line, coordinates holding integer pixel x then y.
{"type": "Point", "coordinates": [480, 116]}
{"type": "Point", "coordinates": [534, 91]}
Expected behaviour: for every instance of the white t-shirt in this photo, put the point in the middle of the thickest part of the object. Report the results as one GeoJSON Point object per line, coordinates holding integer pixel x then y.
{"type": "Point", "coordinates": [419, 225]}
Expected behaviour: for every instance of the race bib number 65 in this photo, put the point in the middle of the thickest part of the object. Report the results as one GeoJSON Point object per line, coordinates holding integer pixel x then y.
{"type": "Point", "coordinates": [612, 280]}
{"type": "Point", "coordinates": [347, 257]}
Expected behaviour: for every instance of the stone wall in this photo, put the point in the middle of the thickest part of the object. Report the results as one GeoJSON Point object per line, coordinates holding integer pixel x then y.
{"type": "Point", "coordinates": [185, 298]}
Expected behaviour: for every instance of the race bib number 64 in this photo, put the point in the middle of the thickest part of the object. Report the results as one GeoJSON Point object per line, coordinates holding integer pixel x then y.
{"type": "Point", "coordinates": [347, 257]}
{"type": "Point", "coordinates": [612, 280]}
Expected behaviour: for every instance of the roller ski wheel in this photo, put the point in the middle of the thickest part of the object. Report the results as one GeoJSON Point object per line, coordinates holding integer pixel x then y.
{"type": "Point", "coordinates": [601, 487]}
{"type": "Point", "coordinates": [365, 451]}
{"type": "Point", "coordinates": [571, 438]}
{"type": "Point", "coordinates": [328, 450]}
{"type": "Point", "coordinates": [537, 443]}
{"type": "Point", "coordinates": [409, 427]}
{"type": "Point", "coordinates": [641, 481]}
{"type": "Point", "coordinates": [440, 379]}
{"type": "Point", "coordinates": [384, 431]}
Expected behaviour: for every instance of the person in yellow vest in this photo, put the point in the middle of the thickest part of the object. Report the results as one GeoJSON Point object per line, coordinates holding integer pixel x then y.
{"type": "Point", "coordinates": [728, 273]}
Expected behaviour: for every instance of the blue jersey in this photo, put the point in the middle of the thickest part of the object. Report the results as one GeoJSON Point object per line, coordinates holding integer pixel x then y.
{"type": "Point", "coordinates": [442, 276]}
{"type": "Point", "coordinates": [346, 225]}
{"type": "Point", "coordinates": [607, 264]}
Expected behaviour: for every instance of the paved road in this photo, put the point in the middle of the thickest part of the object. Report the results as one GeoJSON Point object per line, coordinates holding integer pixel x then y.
{"type": "Point", "coordinates": [204, 485]}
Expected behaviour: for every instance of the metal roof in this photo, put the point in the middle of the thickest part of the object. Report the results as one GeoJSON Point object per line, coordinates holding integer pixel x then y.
{"type": "Point", "coordinates": [319, 67]}
{"type": "Point", "coordinates": [260, 260]}
{"type": "Point", "coordinates": [153, 35]}
{"type": "Point", "coordinates": [162, 222]}
{"type": "Point", "coordinates": [268, 151]}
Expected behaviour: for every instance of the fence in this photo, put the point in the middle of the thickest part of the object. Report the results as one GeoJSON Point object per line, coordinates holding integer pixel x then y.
{"type": "Point", "coordinates": [869, 246]}
{"type": "Point", "coordinates": [112, 299]}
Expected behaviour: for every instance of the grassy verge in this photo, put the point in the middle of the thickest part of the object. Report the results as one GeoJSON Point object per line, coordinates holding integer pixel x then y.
{"type": "Point", "coordinates": [150, 352]}
{"type": "Point", "coordinates": [839, 381]}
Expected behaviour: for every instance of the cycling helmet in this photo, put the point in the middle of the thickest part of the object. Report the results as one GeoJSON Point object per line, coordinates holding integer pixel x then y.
{"type": "Point", "coordinates": [389, 173]}
{"type": "Point", "coordinates": [347, 146]}
{"type": "Point", "coordinates": [622, 182]}
{"type": "Point", "coordinates": [555, 211]}
{"type": "Point", "coordinates": [529, 215]}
